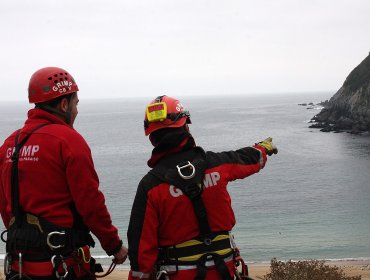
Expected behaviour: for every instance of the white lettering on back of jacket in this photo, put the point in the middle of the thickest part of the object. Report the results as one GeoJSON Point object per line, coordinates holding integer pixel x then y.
{"type": "Point", "coordinates": [210, 180]}
{"type": "Point", "coordinates": [27, 153]}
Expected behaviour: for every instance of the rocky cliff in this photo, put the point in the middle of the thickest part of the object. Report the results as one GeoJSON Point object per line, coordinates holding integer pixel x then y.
{"type": "Point", "coordinates": [349, 108]}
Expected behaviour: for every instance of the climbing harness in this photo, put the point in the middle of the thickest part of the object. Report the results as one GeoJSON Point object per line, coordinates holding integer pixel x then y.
{"type": "Point", "coordinates": [209, 248]}
{"type": "Point", "coordinates": [35, 246]}
{"type": "Point", "coordinates": [83, 258]}
{"type": "Point", "coordinates": [243, 274]}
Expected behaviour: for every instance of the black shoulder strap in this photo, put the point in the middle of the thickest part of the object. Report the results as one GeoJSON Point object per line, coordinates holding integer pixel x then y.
{"type": "Point", "coordinates": [16, 208]}
{"type": "Point", "coordinates": [188, 177]}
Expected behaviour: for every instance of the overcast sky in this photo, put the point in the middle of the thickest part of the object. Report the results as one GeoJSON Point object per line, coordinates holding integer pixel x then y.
{"type": "Point", "coordinates": [118, 48]}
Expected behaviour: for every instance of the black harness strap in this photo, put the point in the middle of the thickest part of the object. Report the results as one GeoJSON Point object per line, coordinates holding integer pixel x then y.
{"type": "Point", "coordinates": [192, 188]}
{"type": "Point", "coordinates": [24, 235]}
{"type": "Point", "coordinates": [188, 177]}
{"type": "Point", "coordinates": [219, 263]}
{"type": "Point", "coordinates": [16, 208]}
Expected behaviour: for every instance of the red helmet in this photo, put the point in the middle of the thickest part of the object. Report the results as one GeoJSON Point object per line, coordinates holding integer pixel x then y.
{"type": "Point", "coordinates": [49, 83]}
{"type": "Point", "coordinates": [164, 112]}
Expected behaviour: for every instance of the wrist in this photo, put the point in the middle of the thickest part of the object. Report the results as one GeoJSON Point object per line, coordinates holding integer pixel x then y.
{"type": "Point", "coordinates": [115, 249]}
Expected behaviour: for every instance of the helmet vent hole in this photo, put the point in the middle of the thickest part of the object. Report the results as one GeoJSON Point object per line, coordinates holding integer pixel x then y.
{"type": "Point", "coordinates": [65, 78]}
{"type": "Point", "coordinates": [65, 73]}
{"type": "Point", "coordinates": [55, 81]}
{"type": "Point", "coordinates": [61, 74]}
{"type": "Point", "coordinates": [61, 79]}
{"type": "Point", "coordinates": [55, 75]}
{"type": "Point", "coordinates": [50, 78]}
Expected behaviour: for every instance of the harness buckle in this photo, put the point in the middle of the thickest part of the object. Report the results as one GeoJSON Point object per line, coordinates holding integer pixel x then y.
{"type": "Point", "coordinates": [207, 241]}
{"type": "Point", "coordinates": [188, 165]}
{"type": "Point", "coordinates": [232, 241]}
{"type": "Point", "coordinates": [48, 239]}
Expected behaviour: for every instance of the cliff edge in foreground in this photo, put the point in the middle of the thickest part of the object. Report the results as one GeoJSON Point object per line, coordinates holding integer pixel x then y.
{"type": "Point", "coordinates": [349, 108]}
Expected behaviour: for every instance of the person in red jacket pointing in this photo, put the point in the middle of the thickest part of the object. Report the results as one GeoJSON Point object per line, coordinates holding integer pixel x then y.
{"type": "Point", "coordinates": [49, 190]}
{"type": "Point", "coordinates": [181, 218]}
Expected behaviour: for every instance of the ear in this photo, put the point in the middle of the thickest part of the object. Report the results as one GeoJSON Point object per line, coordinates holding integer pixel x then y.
{"type": "Point", "coordinates": [63, 105]}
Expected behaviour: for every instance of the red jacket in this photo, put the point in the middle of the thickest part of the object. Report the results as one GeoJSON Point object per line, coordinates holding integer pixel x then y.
{"type": "Point", "coordinates": [55, 170]}
{"type": "Point", "coordinates": [163, 216]}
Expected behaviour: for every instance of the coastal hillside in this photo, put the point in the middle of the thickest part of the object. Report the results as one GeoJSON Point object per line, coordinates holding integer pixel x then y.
{"type": "Point", "coordinates": [349, 108]}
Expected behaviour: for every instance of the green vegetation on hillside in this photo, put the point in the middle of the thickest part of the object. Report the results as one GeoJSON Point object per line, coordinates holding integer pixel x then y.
{"type": "Point", "coordinates": [359, 76]}
{"type": "Point", "coordinates": [305, 270]}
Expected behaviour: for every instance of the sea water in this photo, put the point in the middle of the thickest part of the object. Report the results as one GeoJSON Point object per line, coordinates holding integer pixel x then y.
{"type": "Point", "coordinates": [312, 199]}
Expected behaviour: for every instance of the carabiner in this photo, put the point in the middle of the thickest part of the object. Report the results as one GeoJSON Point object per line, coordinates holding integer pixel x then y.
{"type": "Point", "coordinates": [7, 264]}
{"type": "Point", "coordinates": [64, 265]}
{"type": "Point", "coordinates": [2, 236]}
{"type": "Point", "coordinates": [188, 165]}
{"type": "Point", "coordinates": [162, 273]}
{"type": "Point", "coordinates": [83, 256]}
{"type": "Point", "coordinates": [48, 241]}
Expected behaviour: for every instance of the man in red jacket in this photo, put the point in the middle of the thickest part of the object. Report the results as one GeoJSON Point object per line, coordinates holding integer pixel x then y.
{"type": "Point", "coordinates": [49, 190]}
{"type": "Point", "coordinates": [181, 219]}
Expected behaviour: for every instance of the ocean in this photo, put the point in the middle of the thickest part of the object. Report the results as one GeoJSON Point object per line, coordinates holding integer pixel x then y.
{"type": "Point", "coordinates": [311, 201]}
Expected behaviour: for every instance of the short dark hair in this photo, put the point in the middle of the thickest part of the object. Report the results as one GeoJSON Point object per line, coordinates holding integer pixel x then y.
{"type": "Point", "coordinates": [54, 102]}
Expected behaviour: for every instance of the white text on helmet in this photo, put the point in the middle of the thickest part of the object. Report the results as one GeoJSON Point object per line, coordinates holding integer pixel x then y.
{"type": "Point", "coordinates": [62, 86]}
{"type": "Point", "coordinates": [179, 107]}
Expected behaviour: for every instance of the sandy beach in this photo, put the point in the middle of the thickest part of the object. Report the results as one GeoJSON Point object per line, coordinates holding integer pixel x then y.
{"type": "Point", "coordinates": [258, 270]}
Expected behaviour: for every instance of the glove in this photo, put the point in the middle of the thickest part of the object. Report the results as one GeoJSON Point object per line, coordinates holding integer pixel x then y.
{"type": "Point", "coordinates": [268, 146]}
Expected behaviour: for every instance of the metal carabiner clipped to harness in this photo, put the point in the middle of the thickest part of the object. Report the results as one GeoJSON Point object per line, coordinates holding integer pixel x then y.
{"type": "Point", "coordinates": [7, 264]}
{"type": "Point", "coordinates": [48, 239]}
{"type": "Point", "coordinates": [55, 266]}
{"type": "Point", "coordinates": [162, 275]}
{"type": "Point", "coordinates": [188, 165]}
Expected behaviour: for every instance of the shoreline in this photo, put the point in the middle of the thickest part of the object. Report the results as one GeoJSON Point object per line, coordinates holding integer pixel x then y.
{"type": "Point", "coordinates": [258, 270]}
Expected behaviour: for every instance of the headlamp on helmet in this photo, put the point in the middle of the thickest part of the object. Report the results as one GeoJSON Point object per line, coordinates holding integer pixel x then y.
{"type": "Point", "coordinates": [156, 112]}
{"type": "Point", "coordinates": [164, 112]}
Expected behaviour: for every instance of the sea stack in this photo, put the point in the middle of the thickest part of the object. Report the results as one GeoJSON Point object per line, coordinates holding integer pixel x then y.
{"type": "Point", "coordinates": [349, 108]}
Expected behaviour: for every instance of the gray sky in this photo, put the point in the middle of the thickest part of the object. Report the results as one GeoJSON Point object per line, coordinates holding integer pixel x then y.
{"type": "Point", "coordinates": [118, 48]}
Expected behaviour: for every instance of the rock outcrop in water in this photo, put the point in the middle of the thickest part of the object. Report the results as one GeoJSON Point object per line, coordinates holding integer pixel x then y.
{"type": "Point", "coordinates": [348, 109]}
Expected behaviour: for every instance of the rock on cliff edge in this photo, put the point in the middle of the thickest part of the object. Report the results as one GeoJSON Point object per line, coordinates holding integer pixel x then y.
{"type": "Point", "coordinates": [349, 108]}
